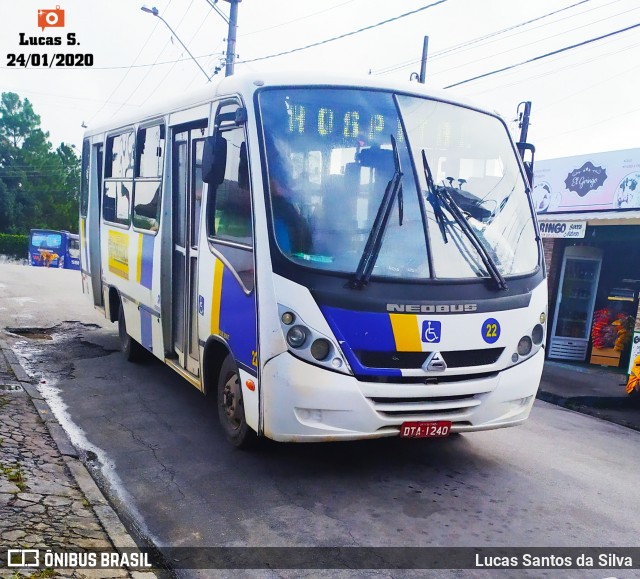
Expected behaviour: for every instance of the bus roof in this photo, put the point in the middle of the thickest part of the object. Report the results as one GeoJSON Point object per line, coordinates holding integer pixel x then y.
{"type": "Point", "coordinates": [247, 83]}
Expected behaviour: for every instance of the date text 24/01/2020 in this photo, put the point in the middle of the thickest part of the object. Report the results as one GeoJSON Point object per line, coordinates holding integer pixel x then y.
{"type": "Point", "coordinates": [48, 60]}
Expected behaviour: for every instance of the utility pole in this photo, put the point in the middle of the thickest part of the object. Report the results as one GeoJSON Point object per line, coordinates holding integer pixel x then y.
{"type": "Point", "coordinates": [423, 65]}
{"type": "Point", "coordinates": [231, 36]}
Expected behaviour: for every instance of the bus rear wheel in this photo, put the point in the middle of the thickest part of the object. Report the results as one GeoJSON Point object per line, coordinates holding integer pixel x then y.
{"type": "Point", "coordinates": [231, 406]}
{"type": "Point", "coordinates": [133, 352]}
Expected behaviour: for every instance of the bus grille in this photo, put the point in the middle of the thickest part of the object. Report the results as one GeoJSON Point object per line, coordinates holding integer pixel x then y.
{"type": "Point", "coordinates": [454, 408]}
{"type": "Point", "coordinates": [415, 360]}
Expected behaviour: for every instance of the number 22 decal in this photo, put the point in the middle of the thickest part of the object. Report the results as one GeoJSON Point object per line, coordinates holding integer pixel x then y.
{"type": "Point", "coordinates": [490, 330]}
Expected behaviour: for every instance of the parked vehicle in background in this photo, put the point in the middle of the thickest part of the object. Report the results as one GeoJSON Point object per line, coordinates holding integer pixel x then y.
{"type": "Point", "coordinates": [49, 248]}
{"type": "Point", "coordinates": [331, 259]}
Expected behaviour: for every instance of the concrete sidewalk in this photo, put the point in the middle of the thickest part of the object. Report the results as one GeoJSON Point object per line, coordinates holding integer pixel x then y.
{"type": "Point", "coordinates": [48, 499]}
{"type": "Point", "coordinates": [595, 390]}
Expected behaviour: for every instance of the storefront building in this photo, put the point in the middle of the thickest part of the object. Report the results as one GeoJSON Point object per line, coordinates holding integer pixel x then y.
{"type": "Point", "coordinates": [589, 213]}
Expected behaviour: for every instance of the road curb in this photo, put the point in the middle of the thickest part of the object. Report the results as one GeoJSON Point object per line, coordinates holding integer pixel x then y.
{"type": "Point", "coordinates": [574, 404]}
{"type": "Point", "coordinates": [111, 523]}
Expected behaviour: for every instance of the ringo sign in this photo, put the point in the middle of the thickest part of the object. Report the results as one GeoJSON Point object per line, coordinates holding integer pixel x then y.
{"type": "Point", "coordinates": [563, 229]}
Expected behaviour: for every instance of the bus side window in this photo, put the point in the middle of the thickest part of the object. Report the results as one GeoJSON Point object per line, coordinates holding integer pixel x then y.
{"type": "Point", "coordinates": [229, 208]}
{"type": "Point", "coordinates": [150, 145]}
{"type": "Point", "coordinates": [118, 182]}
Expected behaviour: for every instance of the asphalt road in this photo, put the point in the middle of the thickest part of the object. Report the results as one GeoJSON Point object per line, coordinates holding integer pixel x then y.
{"type": "Point", "coordinates": [563, 479]}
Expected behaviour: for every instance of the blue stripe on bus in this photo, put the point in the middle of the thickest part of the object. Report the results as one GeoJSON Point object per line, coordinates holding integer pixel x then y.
{"type": "Point", "coordinates": [146, 262]}
{"type": "Point", "coordinates": [362, 331]}
{"type": "Point", "coordinates": [146, 332]}
{"type": "Point", "coordinates": [238, 321]}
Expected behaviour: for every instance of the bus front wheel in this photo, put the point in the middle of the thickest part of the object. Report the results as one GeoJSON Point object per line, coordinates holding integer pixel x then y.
{"type": "Point", "coordinates": [231, 406]}
{"type": "Point", "coordinates": [133, 352]}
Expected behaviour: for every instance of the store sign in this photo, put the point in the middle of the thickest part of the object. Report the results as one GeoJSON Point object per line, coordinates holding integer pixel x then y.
{"type": "Point", "coordinates": [563, 229]}
{"type": "Point", "coordinates": [586, 178]}
{"type": "Point", "coordinates": [598, 182]}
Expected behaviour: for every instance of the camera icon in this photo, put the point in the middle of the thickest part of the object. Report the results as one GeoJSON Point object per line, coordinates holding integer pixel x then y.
{"type": "Point", "coordinates": [50, 18]}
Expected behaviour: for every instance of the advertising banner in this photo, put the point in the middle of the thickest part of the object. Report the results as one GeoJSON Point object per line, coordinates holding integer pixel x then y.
{"type": "Point", "coordinates": [597, 182]}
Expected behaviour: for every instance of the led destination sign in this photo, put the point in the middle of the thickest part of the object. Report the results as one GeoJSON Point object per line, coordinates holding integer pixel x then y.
{"type": "Point", "coordinates": [326, 121]}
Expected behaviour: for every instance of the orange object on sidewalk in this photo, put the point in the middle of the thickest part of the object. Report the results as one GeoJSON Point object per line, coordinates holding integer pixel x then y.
{"type": "Point", "coordinates": [634, 379]}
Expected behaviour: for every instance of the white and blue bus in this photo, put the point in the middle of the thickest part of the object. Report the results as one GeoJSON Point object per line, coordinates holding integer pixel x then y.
{"type": "Point", "coordinates": [331, 259]}
{"type": "Point", "coordinates": [49, 248]}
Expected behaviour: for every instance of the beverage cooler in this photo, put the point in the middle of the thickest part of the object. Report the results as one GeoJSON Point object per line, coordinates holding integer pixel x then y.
{"type": "Point", "coordinates": [571, 329]}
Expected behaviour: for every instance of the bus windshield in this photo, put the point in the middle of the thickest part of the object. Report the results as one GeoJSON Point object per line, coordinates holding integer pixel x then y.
{"type": "Point", "coordinates": [330, 160]}
{"type": "Point", "coordinates": [46, 240]}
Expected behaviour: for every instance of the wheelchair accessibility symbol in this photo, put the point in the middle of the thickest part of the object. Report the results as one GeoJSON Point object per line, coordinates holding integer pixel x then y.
{"type": "Point", "coordinates": [431, 331]}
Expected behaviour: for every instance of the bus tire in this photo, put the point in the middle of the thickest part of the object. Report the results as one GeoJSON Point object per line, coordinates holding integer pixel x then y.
{"type": "Point", "coordinates": [231, 407]}
{"type": "Point", "coordinates": [133, 352]}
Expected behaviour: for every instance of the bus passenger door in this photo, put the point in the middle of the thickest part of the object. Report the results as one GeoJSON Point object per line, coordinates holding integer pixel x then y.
{"type": "Point", "coordinates": [187, 146]}
{"type": "Point", "coordinates": [93, 234]}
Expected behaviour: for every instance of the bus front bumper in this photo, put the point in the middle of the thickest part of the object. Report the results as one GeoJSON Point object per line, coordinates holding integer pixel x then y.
{"type": "Point", "coordinates": [305, 403]}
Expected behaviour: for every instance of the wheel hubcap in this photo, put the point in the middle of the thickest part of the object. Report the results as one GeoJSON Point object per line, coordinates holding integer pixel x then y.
{"type": "Point", "coordinates": [232, 401]}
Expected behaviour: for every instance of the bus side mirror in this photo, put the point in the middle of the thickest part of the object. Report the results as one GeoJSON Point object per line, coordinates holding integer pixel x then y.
{"type": "Point", "coordinates": [214, 159]}
{"type": "Point", "coordinates": [523, 149]}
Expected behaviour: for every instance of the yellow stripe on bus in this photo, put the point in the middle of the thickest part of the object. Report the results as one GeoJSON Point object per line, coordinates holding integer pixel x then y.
{"type": "Point", "coordinates": [405, 332]}
{"type": "Point", "coordinates": [216, 298]}
{"type": "Point", "coordinates": [139, 260]}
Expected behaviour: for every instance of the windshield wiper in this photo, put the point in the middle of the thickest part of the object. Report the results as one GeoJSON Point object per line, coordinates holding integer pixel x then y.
{"type": "Point", "coordinates": [374, 241]}
{"type": "Point", "coordinates": [440, 197]}
{"type": "Point", "coordinates": [441, 220]}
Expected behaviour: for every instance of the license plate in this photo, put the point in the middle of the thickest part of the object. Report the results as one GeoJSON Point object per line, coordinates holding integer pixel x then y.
{"type": "Point", "coordinates": [425, 429]}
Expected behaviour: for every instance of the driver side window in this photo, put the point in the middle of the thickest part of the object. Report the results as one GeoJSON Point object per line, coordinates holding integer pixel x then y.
{"type": "Point", "coordinates": [229, 214]}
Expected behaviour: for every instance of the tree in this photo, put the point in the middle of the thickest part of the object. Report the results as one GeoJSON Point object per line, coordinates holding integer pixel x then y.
{"type": "Point", "coordinates": [38, 186]}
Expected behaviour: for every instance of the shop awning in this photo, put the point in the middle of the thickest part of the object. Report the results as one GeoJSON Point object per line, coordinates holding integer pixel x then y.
{"type": "Point", "coordinates": [595, 217]}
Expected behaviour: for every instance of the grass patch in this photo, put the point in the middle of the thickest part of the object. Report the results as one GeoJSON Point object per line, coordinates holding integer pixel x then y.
{"type": "Point", "coordinates": [14, 475]}
{"type": "Point", "coordinates": [44, 573]}
{"type": "Point", "coordinates": [4, 400]}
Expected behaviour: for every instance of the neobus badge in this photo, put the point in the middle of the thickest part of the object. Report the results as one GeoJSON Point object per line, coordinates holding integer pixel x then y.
{"type": "Point", "coordinates": [432, 308]}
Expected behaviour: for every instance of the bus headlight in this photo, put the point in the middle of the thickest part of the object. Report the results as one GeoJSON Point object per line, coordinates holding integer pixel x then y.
{"type": "Point", "coordinates": [309, 344]}
{"type": "Point", "coordinates": [296, 336]}
{"type": "Point", "coordinates": [320, 349]}
{"type": "Point", "coordinates": [537, 334]}
{"type": "Point", "coordinates": [524, 346]}
{"type": "Point", "coordinates": [288, 318]}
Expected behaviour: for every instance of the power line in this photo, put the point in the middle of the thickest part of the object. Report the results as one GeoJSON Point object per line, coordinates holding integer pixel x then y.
{"type": "Point", "coordinates": [546, 55]}
{"type": "Point", "coordinates": [573, 65]}
{"type": "Point", "coordinates": [563, 33]}
{"type": "Point", "coordinates": [591, 124]}
{"type": "Point", "coordinates": [129, 69]}
{"type": "Point", "coordinates": [294, 20]}
{"type": "Point", "coordinates": [405, 64]}
{"type": "Point", "coordinates": [149, 71]}
{"type": "Point", "coordinates": [326, 41]}
{"type": "Point", "coordinates": [153, 91]}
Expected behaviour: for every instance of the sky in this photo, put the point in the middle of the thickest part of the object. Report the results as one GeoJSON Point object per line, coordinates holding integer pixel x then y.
{"type": "Point", "coordinates": [584, 100]}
